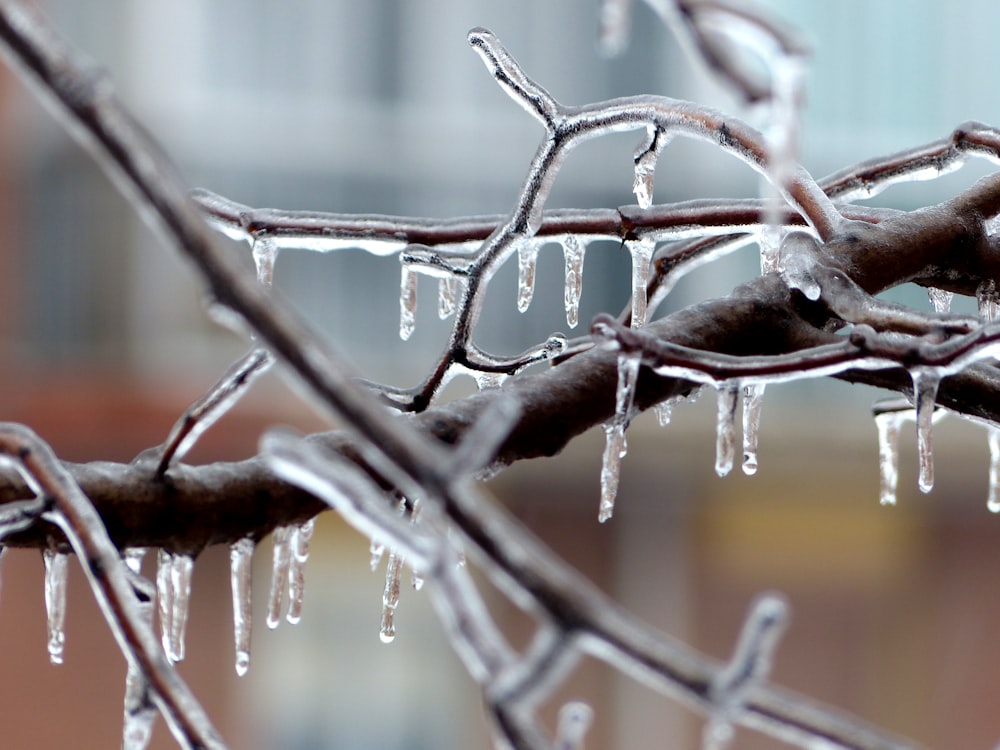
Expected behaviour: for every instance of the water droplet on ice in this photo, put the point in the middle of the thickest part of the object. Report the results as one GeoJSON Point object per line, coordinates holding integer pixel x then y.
{"type": "Point", "coordinates": [241, 582]}
{"type": "Point", "coordinates": [56, 571]}
{"type": "Point", "coordinates": [407, 302]}
{"type": "Point", "coordinates": [573, 255]}
{"type": "Point", "coordinates": [527, 261]}
{"type": "Point", "coordinates": [725, 428]}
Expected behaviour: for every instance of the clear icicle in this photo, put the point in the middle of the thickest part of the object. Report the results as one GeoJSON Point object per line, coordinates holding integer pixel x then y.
{"type": "Point", "coordinates": [447, 291]}
{"type": "Point", "coordinates": [164, 595]}
{"type": "Point", "coordinates": [925, 386]}
{"type": "Point", "coordinates": [753, 402]}
{"type": "Point", "coordinates": [407, 302]}
{"type": "Point", "coordinates": [573, 255]}
{"type": "Point", "coordinates": [940, 299]}
{"type": "Point", "coordinates": [377, 552]}
{"type": "Point", "coordinates": [574, 721]}
{"type": "Point", "coordinates": [993, 502]}
{"type": "Point", "coordinates": [299, 541]}
{"type": "Point", "coordinates": [181, 568]}
{"type": "Point", "coordinates": [770, 238]}
{"type": "Point", "coordinates": [527, 261]}
{"type": "Point", "coordinates": [489, 380]}
{"type": "Point", "coordinates": [989, 301]}
{"type": "Point", "coordinates": [664, 412]}
{"type": "Point", "coordinates": [642, 256]}
{"type": "Point", "coordinates": [390, 598]}
{"type": "Point", "coordinates": [889, 424]}
{"type": "Point", "coordinates": [56, 571]}
{"type": "Point", "coordinates": [725, 428]}
{"type": "Point", "coordinates": [279, 574]}
{"type": "Point", "coordinates": [241, 579]}
{"type": "Point", "coordinates": [615, 446]}
{"type": "Point", "coordinates": [645, 165]}
{"type": "Point", "coordinates": [265, 253]}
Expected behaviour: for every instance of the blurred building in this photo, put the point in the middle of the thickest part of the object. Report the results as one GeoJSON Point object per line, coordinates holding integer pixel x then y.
{"type": "Point", "coordinates": [381, 107]}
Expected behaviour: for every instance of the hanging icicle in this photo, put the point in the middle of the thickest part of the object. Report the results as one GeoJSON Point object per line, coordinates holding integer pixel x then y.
{"type": "Point", "coordinates": [725, 428]}
{"type": "Point", "coordinates": [573, 255]}
{"type": "Point", "coordinates": [377, 551]}
{"type": "Point", "coordinates": [265, 253]}
{"type": "Point", "coordinates": [527, 262]}
{"type": "Point", "coordinates": [173, 591]}
{"type": "Point", "coordinates": [753, 403]}
{"type": "Point", "coordinates": [993, 500]}
{"type": "Point", "coordinates": [407, 302]}
{"type": "Point", "coordinates": [940, 299]}
{"type": "Point", "coordinates": [988, 301]}
{"type": "Point", "coordinates": [447, 292]}
{"type": "Point", "coordinates": [489, 380]}
{"type": "Point", "coordinates": [280, 562]}
{"type": "Point", "coordinates": [56, 571]}
{"type": "Point", "coordinates": [299, 540]}
{"type": "Point", "coordinates": [139, 711]}
{"type": "Point", "coordinates": [390, 598]}
{"type": "Point", "coordinates": [615, 446]}
{"type": "Point", "coordinates": [133, 557]}
{"type": "Point", "coordinates": [925, 386]}
{"type": "Point", "coordinates": [241, 581]}
{"type": "Point", "coordinates": [889, 424]}
{"type": "Point", "coordinates": [642, 257]}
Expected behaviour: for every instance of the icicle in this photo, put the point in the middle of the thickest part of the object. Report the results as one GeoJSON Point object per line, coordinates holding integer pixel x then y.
{"type": "Point", "coordinates": [173, 585]}
{"type": "Point", "coordinates": [753, 402]}
{"type": "Point", "coordinates": [925, 386]}
{"type": "Point", "coordinates": [241, 579]}
{"type": "Point", "coordinates": [56, 571]}
{"type": "Point", "coordinates": [615, 446]}
{"type": "Point", "coordinates": [770, 238]}
{"type": "Point", "coordinates": [573, 255]}
{"type": "Point", "coordinates": [664, 412]}
{"type": "Point", "coordinates": [574, 721]}
{"type": "Point", "coordinates": [489, 380]}
{"type": "Point", "coordinates": [889, 424]}
{"type": "Point", "coordinates": [299, 548]}
{"type": "Point", "coordinates": [527, 261]}
{"type": "Point", "coordinates": [390, 598]}
{"type": "Point", "coordinates": [377, 551]}
{"type": "Point", "coordinates": [447, 289]}
{"type": "Point", "coordinates": [989, 303]}
{"type": "Point", "coordinates": [407, 302]}
{"type": "Point", "coordinates": [265, 252]}
{"type": "Point", "coordinates": [993, 502]}
{"type": "Point", "coordinates": [725, 428]}
{"type": "Point", "coordinates": [133, 557]}
{"type": "Point", "coordinates": [940, 299]}
{"type": "Point", "coordinates": [642, 257]}
{"type": "Point", "coordinates": [279, 574]}
{"type": "Point", "coordinates": [3, 554]}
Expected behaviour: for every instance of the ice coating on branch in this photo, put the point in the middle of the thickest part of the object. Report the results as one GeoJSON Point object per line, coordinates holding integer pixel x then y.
{"type": "Point", "coordinates": [575, 718]}
{"type": "Point", "coordinates": [725, 428]}
{"type": "Point", "coordinates": [407, 302]}
{"type": "Point", "coordinates": [925, 387]}
{"type": "Point", "coordinates": [299, 540]}
{"type": "Point", "coordinates": [573, 255]}
{"type": "Point", "coordinates": [888, 424]}
{"type": "Point", "coordinates": [642, 256]}
{"type": "Point", "coordinates": [750, 664]}
{"type": "Point", "coordinates": [753, 402]}
{"type": "Point", "coordinates": [797, 257]}
{"type": "Point", "coordinates": [615, 446]}
{"type": "Point", "coordinates": [241, 582]}
{"type": "Point", "coordinates": [173, 592]}
{"type": "Point", "coordinates": [390, 598]}
{"type": "Point", "coordinates": [993, 500]}
{"type": "Point", "coordinates": [447, 291]}
{"type": "Point", "coordinates": [527, 262]}
{"type": "Point", "coordinates": [940, 299]}
{"type": "Point", "coordinates": [265, 253]}
{"type": "Point", "coordinates": [56, 571]}
{"type": "Point", "coordinates": [280, 562]}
